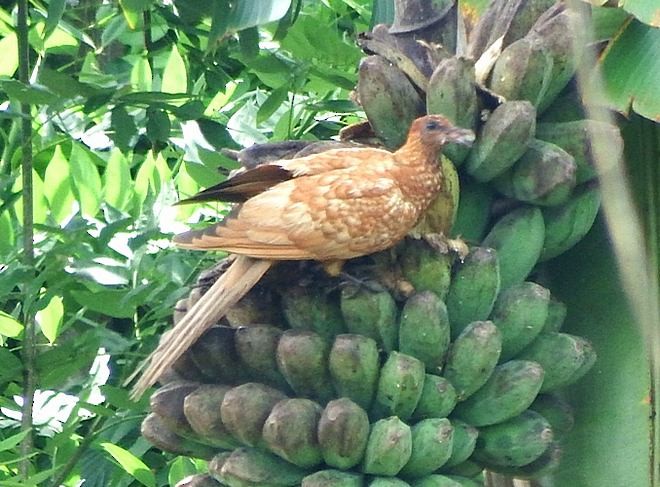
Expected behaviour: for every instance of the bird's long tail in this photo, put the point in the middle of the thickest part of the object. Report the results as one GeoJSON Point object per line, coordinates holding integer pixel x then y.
{"type": "Point", "coordinates": [235, 283]}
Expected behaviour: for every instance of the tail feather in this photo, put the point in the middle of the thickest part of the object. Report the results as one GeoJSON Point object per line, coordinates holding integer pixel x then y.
{"type": "Point", "coordinates": [235, 283]}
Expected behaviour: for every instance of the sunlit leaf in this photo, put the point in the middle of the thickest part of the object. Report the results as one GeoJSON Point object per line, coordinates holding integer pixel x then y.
{"type": "Point", "coordinates": [55, 11]}
{"type": "Point", "coordinates": [132, 10]}
{"type": "Point", "coordinates": [86, 180]}
{"type": "Point", "coordinates": [631, 70]}
{"type": "Point", "coordinates": [9, 48]}
{"type": "Point", "coordinates": [648, 11]}
{"type": "Point", "coordinates": [274, 101]}
{"type": "Point", "coordinates": [181, 468]}
{"type": "Point", "coordinates": [41, 210]}
{"type": "Point", "coordinates": [175, 78]}
{"type": "Point", "coordinates": [58, 186]}
{"type": "Point", "coordinates": [117, 188]}
{"type": "Point", "coordinates": [50, 318]}
{"type": "Point", "coordinates": [131, 464]}
{"type": "Point", "coordinates": [250, 13]}
{"type": "Point", "coordinates": [141, 75]}
{"type": "Point", "coordinates": [10, 326]}
{"type": "Point", "coordinates": [7, 233]}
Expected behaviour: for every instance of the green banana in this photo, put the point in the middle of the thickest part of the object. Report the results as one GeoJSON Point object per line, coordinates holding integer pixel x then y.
{"type": "Point", "coordinates": [388, 482]}
{"type": "Point", "coordinates": [248, 467]}
{"type": "Point", "coordinates": [556, 316]}
{"type": "Point", "coordinates": [332, 478]}
{"type": "Point", "coordinates": [514, 443]}
{"type": "Point", "coordinates": [567, 224]}
{"type": "Point", "coordinates": [503, 139]}
{"type": "Point", "coordinates": [202, 410]}
{"type": "Point", "coordinates": [543, 465]}
{"type": "Point", "coordinates": [565, 358]}
{"type": "Point", "coordinates": [290, 432]}
{"type": "Point", "coordinates": [473, 357]}
{"type": "Point", "coordinates": [522, 71]}
{"type": "Point", "coordinates": [167, 403]}
{"type": "Point", "coordinates": [388, 98]}
{"type": "Point", "coordinates": [576, 137]}
{"type": "Point", "coordinates": [473, 211]}
{"type": "Point", "coordinates": [437, 400]}
{"type": "Point", "coordinates": [343, 431]}
{"type": "Point", "coordinates": [198, 481]}
{"type": "Point", "coordinates": [302, 358]}
{"type": "Point", "coordinates": [439, 217]}
{"type": "Point", "coordinates": [156, 432]}
{"type": "Point", "coordinates": [544, 175]}
{"type": "Point", "coordinates": [465, 439]}
{"type": "Point", "coordinates": [557, 411]}
{"type": "Point", "coordinates": [469, 468]}
{"type": "Point", "coordinates": [399, 387]}
{"type": "Point", "coordinates": [354, 365]}
{"type": "Point", "coordinates": [256, 346]}
{"type": "Point", "coordinates": [215, 355]}
{"type": "Point", "coordinates": [432, 441]}
{"type": "Point", "coordinates": [473, 289]}
{"type": "Point", "coordinates": [389, 447]}
{"type": "Point", "coordinates": [370, 313]}
{"type": "Point", "coordinates": [215, 464]}
{"type": "Point", "coordinates": [520, 313]}
{"type": "Point", "coordinates": [424, 330]}
{"type": "Point", "coordinates": [436, 480]}
{"type": "Point", "coordinates": [244, 410]}
{"type": "Point", "coordinates": [452, 92]}
{"type": "Point", "coordinates": [518, 239]}
{"type": "Point", "coordinates": [512, 387]}
{"type": "Point", "coordinates": [425, 268]}
{"type": "Point", "coordinates": [314, 309]}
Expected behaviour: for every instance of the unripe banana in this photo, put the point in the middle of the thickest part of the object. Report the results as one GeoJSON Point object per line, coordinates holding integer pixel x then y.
{"type": "Point", "coordinates": [302, 358]}
{"type": "Point", "coordinates": [167, 403]}
{"type": "Point", "coordinates": [473, 357]}
{"type": "Point", "coordinates": [567, 224]}
{"type": "Point", "coordinates": [399, 386]}
{"type": "Point", "coordinates": [468, 469]}
{"type": "Point", "coordinates": [504, 137]}
{"type": "Point", "coordinates": [565, 358]}
{"type": "Point", "coordinates": [370, 313]}
{"type": "Point", "coordinates": [544, 175]}
{"type": "Point", "coordinates": [556, 316]}
{"type": "Point", "coordinates": [247, 467]}
{"type": "Point", "coordinates": [314, 309]}
{"type": "Point", "coordinates": [512, 387]}
{"type": "Point", "coordinates": [437, 400]}
{"type": "Point", "coordinates": [388, 98]}
{"type": "Point", "coordinates": [518, 239]}
{"type": "Point", "coordinates": [543, 465]}
{"type": "Point", "coordinates": [436, 480]}
{"type": "Point", "coordinates": [576, 138]}
{"type": "Point", "coordinates": [290, 432]}
{"type": "Point", "coordinates": [333, 478]}
{"type": "Point", "coordinates": [520, 313]}
{"type": "Point", "coordinates": [343, 431]}
{"type": "Point", "coordinates": [389, 447]}
{"type": "Point", "coordinates": [215, 355]}
{"type": "Point", "coordinates": [388, 482]}
{"type": "Point", "coordinates": [452, 92]}
{"type": "Point", "coordinates": [440, 215]}
{"type": "Point", "coordinates": [432, 441]}
{"type": "Point", "coordinates": [473, 211]}
{"type": "Point", "coordinates": [256, 346]}
{"type": "Point", "coordinates": [556, 411]}
{"type": "Point", "coordinates": [425, 268]}
{"type": "Point", "coordinates": [156, 432]}
{"type": "Point", "coordinates": [424, 330]}
{"type": "Point", "coordinates": [354, 365]}
{"type": "Point", "coordinates": [522, 71]}
{"type": "Point", "coordinates": [514, 443]}
{"type": "Point", "coordinates": [198, 481]}
{"type": "Point", "coordinates": [215, 464]}
{"type": "Point", "coordinates": [202, 410]}
{"type": "Point", "coordinates": [465, 439]}
{"type": "Point", "coordinates": [244, 410]}
{"type": "Point", "coordinates": [473, 289]}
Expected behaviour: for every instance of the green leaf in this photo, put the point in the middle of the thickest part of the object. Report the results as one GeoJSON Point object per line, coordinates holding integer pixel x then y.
{"type": "Point", "coordinates": [648, 11]}
{"type": "Point", "coordinates": [131, 464]}
{"type": "Point", "coordinates": [250, 13]}
{"type": "Point", "coordinates": [175, 78]}
{"type": "Point", "coordinates": [110, 302]}
{"type": "Point", "coordinates": [383, 12]}
{"type": "Point", "coordinates": [10, 326]}
{"type": "Point", "coordinates": [274, 101]}
{"type": "Point", "coordinates": [219, 22]}
{"type": "Point", "coordinates": [86, 180]}
{"type": "Point", "coordinates": [50, 318]}
{"type": "Point", "coordinates": [631, 70]}
{"type": "Point", "coordinates": [55, 11]}
{"type": "Point", "coordinates": [133, 9]}
{"type": "Point", "coordinates": [57, 187]}
{"type": "Point", "coordinates": [32, 94]}
{"type": "Point", "coordinates": [181, 468]}
{"type": "Point", "coordinates": [158, 126]}
{"type": "Point", "coordinates": [248, 41]}
{"type": "Point", "coordinates": [41, 211]}
{"type": "Point", "coordinates": [11, 367]}
{"type": "Point", "coordinates": [123, 126]}
{"type": "Point", "coordinates": [13, 440]}
{"type": "Point", "coordinates": [151, 176]}
{"type": "Point", "coordinates": [7, 234]}
{"type": "Point", "coordinates": [141, 76]}
{"type": "Point", "coordinates": [9, 48]}
{"type": "Point", "coordinates": [117, 187]}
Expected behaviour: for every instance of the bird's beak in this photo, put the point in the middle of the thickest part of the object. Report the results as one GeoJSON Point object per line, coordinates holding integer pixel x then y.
{"type": "Point", "coordinates": [460, 136]}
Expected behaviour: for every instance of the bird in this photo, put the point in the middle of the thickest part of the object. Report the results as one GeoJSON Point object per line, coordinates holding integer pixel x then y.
{"type": "Point", "coordinates": [328, 207]}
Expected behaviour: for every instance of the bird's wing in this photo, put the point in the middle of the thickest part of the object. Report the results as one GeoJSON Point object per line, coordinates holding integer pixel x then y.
{"type": "Point", "coordinates": [249, 183]}
{"type": "Point", "coordinates": [338, 215]}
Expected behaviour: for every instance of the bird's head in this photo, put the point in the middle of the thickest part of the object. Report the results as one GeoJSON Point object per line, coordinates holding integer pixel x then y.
{"type": "Point", "coordinates": [435, 131]}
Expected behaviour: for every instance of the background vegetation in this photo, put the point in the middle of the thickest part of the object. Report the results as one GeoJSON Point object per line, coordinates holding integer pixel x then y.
{"type": "Point", "coordinates": [119, 109]}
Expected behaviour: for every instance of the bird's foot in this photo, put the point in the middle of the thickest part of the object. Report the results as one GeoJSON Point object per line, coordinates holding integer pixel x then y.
{"type": "Point", "coordinates": [355, 284]}
{"type": "Point", "coordinates": [445, 245]}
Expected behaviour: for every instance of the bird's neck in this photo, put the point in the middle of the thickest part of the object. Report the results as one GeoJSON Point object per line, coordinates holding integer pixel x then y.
{"type": "Point", "coordinates": [419, 171]}
{"type": "Point", "coordinates": [416, 152]}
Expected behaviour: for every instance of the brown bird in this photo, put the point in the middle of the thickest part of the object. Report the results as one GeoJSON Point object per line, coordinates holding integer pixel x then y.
{"type": "Point", "coordinates": [329, 207]}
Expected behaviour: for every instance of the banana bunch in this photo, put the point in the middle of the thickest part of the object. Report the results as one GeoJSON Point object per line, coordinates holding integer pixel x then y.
{"type": "Point", "coordinates": [422, 369]}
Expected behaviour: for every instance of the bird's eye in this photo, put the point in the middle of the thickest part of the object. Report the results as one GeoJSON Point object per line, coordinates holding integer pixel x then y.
{"type": "Point", "coordinates": [432, 125]}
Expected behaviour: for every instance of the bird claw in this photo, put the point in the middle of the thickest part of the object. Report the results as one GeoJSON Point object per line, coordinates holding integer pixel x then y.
{"type": "Point", "coordinates": [357, 283]}
{"type": "Point", "coordinates": [445, 245]}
